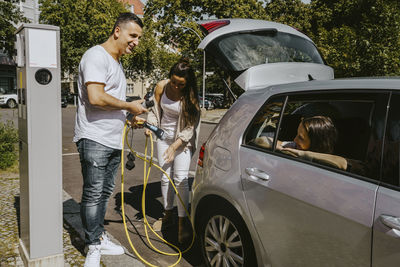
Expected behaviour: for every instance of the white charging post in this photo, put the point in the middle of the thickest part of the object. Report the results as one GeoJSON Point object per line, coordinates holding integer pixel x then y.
{"type": "Point", "coordinates": [40, 145]}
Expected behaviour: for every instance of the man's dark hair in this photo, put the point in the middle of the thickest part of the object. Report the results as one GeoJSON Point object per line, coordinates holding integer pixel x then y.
{"type": "Point", "coordinates": [125, 18]}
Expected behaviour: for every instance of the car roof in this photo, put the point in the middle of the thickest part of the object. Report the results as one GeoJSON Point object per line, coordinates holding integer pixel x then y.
{"type": "Point", "coordinates": [238, 25]}
{"type": "Point", "coordinates": [371, 83]}
{"type": "Point", "coordinates": [258, 96]}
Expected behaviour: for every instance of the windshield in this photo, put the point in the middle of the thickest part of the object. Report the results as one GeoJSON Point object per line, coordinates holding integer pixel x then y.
{"type": "Point", "coordinates": [246, 50]}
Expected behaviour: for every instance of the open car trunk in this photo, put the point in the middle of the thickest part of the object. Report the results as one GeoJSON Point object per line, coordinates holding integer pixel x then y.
{"type": "Point", "coordinates": [259, 53]}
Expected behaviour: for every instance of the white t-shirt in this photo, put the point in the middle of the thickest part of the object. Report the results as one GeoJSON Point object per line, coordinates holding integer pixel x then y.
{"type": "Point", "coordinates": [102, 126]}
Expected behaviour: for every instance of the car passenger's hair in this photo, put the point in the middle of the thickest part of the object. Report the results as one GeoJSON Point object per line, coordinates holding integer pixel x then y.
{"type": "Point", "coordinates": [322, 133]}
{"type": "Point", "coordinates": [190, 103]}
{"type": "Point", "coordinates": [125, 18]}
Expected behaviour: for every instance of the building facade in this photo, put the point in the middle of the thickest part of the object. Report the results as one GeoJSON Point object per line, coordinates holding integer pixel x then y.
{"type": "Point", "coordinates": [30, 9]}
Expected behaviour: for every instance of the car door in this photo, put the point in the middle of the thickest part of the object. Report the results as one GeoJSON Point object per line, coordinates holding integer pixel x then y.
{"type": "Point", "coordinates": [386, 237]}
{"type": "Point", "coordinates": [307, 213]}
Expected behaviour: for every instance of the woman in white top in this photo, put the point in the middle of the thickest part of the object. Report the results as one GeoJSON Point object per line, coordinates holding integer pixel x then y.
{"type": "Point", "coordinates": [177, 112]}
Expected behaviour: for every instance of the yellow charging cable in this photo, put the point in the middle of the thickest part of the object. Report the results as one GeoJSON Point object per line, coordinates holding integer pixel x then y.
{"type": "Point", "coordinates": [146, 223]}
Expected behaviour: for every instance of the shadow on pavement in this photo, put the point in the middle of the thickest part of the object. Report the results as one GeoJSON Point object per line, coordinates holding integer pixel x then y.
{"type": "Point", "coordinates": [17, 211]}
{"type": "Point", "coordinates": [154, 211]}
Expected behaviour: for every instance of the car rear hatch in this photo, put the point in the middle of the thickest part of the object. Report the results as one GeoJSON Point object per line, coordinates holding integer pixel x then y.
{"type": "Point", "coordinates": [259, 53]}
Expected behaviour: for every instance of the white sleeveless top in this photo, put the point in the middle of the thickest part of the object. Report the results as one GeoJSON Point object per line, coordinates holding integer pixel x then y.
{"type": "Point", "coordinates": [170, 115]}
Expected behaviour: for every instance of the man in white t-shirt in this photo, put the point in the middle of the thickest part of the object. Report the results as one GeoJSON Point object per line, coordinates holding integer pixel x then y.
{"type": "Point", "coordinates": [100, 119]}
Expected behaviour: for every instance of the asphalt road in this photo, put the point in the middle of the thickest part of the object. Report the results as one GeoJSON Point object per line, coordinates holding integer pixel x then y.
{"type": "Point", "coordinates": [133, 188]}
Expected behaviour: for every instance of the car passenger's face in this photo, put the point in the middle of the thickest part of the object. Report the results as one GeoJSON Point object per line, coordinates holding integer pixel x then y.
{"type": "Point", "coordinates": [302, 139]}
{"type": "Point", "coordinates": [128, 37]}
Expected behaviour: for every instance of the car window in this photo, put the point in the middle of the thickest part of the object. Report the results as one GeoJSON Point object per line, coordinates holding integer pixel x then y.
{"type": "Point", "coordinates": [261, 132]}
{"type": "Point", "coordinates": [390, 173]}
{"type": "Point", "coordinates": [254, 48]}
{"type": "Point", "coordinates": [343, 131]}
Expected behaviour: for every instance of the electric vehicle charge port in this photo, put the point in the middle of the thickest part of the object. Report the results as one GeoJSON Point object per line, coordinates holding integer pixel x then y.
{"type": "Point", "coordinates": [43, 76]}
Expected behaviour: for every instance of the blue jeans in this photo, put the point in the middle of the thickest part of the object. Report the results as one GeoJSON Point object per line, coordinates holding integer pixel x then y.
{"type": "Point", "coordinates": [99, 166]}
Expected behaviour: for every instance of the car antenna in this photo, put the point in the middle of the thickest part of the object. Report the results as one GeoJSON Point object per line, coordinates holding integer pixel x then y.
{"type": "Point", "coordinates": [310, 78]}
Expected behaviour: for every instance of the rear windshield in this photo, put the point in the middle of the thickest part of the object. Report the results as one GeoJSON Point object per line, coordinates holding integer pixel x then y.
{"type": "Point", "coordinates": [246, 50]}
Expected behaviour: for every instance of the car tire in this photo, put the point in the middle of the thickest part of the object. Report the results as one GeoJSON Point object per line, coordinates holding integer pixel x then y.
{"type": "Point", "coordinates": [11, 103]}
{"type": "Point", "coordinates": [217, 249]}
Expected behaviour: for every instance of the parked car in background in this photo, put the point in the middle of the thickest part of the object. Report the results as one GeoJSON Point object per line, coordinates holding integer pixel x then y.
{"type": "Point", "coordinates": [216, 99]}
{"type": "Point", "coordinates": [207, 103]}
{"type": "Point", "coordinates": [8, 99]}
{"type": "Point", "coordinates": [256, 203]}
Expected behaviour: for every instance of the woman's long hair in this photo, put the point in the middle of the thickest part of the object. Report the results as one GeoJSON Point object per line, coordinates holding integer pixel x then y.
{"type": "Point", "coordinates": [190, 97]}
{"type": "Point", "coordinates": [322, 134]}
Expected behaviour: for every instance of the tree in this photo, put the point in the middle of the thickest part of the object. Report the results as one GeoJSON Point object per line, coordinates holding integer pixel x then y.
{"type": "Point", "coordinates": [9, 16]}
{"type": "Point", "coordinates": [294, 13]}
{"type": "Point", "coordinates": [164, 16]}
{"type": "Point", "coordinates": [151, 60]}
{"type": "Point", "coordinates": [83, 24]}
{"type": "Point", "coordinates": [358, 38]}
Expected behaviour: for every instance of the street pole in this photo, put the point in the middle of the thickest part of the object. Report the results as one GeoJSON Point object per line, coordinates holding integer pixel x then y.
{"type": "Point", "coordinates": [204, 77]}
{"type": "Point", "coordinates": [204, 61]}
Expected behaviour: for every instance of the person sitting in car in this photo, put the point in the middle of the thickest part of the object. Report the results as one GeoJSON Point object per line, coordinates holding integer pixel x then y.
{"type": "Point", "coordinates": [315, 140]}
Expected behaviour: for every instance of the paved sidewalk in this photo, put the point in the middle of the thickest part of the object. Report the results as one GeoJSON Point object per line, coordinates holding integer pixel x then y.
{"type": "Point", "coordinates": [9, 240]}
{"type": "Point", "coordinates": [72, 232]}
{"type": "Point", "coordinates": [212, 116]}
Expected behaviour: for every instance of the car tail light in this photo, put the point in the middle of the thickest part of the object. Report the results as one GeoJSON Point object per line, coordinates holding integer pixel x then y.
{"type": "Point", "coordinates": [209, 27]}
{"type": "Point", "coordinates": [201, 155]}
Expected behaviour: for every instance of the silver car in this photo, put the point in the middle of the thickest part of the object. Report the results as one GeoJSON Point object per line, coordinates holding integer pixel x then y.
{"type": "Point", "coordinates": [257, 203]}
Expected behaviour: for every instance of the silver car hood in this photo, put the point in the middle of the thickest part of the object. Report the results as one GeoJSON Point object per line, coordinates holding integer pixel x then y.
{"type": "Point", "coordinates": [264, 75]}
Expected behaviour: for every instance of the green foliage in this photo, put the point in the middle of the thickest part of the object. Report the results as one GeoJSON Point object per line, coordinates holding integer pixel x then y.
{"type": "Point", "coordinates": [83, 24]}
{"type": "Point", "coordinates": [294, 13]}
{"type": "Point", "coordinates": [358, 38]}
{"type": "Point", "coordinates": [150, 60]}
{"type": "Point", "coordinates": [163, 16]}
{"type": "Point", "coordinates": [9, 15]}
{"type": "Point", "coordinates": [8, 148]}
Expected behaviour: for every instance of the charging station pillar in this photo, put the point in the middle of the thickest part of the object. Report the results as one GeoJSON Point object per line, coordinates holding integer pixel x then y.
{"type": "Point", "coordinates": [40, 145]}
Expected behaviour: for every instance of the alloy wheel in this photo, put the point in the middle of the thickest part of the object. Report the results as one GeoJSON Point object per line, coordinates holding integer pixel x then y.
{"type": "Point", "coordinates": [223, 243]}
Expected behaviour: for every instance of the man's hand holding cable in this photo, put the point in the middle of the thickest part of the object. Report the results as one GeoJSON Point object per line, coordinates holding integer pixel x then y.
{"type": "Point", "coordinates": [169, 154]}
{"type": "Point", "coordinates": [136, 122]}
{"type": "Point", "coordinates": [135, 107]}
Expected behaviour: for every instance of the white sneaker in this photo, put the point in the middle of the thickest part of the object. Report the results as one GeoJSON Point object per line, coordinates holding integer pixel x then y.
{"type": "Point", "coordinates": [93, 256]}
{"type": "Point", "coordinates": [108, 247]}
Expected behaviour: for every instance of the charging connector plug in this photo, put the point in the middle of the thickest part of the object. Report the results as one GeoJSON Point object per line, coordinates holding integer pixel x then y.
{"type": "Point", "coordinates": [157, 131]}
{"type": "Point", "coordinates": [130, 163]}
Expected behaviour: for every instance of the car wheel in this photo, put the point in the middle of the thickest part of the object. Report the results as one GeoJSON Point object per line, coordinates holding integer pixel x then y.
{"type": "Point", "coordinates": [225, 240]}
{"type": "Point", "coordinates": [11, 103]}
